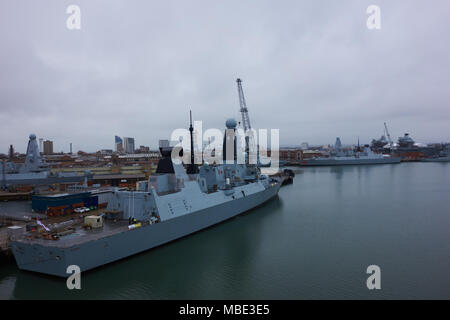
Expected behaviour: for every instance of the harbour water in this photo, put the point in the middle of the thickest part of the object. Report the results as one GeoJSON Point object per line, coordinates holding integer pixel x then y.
{"type": "Point", "coordinates": [315, 241]}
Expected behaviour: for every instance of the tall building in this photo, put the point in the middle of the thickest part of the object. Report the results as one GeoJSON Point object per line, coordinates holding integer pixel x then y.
{"type": "Point", "coordinates": [128, 145]}
{"type": "Point", "coordinates": [48, 147]}
{"type": "Point", "coordinates": [118, 144]}
{"type": "Point", "coordinates": [11, 152]}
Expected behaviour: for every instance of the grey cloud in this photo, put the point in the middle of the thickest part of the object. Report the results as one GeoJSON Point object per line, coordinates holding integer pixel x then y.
{"type": "Point", "coordinates": [310, 68]}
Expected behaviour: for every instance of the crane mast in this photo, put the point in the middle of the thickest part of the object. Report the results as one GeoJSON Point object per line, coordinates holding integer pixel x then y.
{"type": "Point", "coordinates": [387, 134]}
{"type": "Point", "coordinates": [243, 104]}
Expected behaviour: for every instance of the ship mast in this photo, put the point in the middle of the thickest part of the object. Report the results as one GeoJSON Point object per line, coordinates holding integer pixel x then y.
{"type": "Point", "coordinates": [192, 168]}
{"type": "Point", "coordinates": [359, 148]}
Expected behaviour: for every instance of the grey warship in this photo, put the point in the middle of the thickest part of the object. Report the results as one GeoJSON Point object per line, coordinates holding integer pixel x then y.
{"type": "Point", "coordinates": [173, 203]}
{"type": "Point", "coordinates": [350, 157]}
{"type": "Point", "coordinates": [34, 171]}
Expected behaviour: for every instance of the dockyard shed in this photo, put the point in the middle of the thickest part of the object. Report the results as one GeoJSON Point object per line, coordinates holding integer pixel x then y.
{"type": "Point", "coordinates": [40, 203]}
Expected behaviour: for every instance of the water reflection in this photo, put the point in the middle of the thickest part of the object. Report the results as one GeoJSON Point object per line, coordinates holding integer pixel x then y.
{"type": "Point", "coordinates": [172, 270]}
{"type": "Point", "coordinates": [338, 171]}
{"type": "Point", "coordinates": [313, 242]}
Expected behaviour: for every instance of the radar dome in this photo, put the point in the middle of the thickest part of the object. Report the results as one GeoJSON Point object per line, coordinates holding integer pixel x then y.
{"type": "Point", "coordinates": [231, 123]}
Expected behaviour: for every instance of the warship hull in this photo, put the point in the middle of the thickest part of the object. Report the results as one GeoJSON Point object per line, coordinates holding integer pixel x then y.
{"type": "Point", "coordinates": [39, 178]}
{"type": "Point", "coordinates": [341, 162]}
{"type": "Point", "coordinates": [54, 257]}
{"type": "Point", "coordinates": [440, 159]}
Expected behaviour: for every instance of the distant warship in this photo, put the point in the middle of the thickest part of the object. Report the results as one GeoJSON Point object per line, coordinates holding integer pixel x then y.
{"type": "Point", "coordinates": [383, 144]}
{"type": "Point", "coordinates": [379, 144]}
{"type": "Point", "coordinates": [408, 149]}
{"type": "Point", "coordinates": [443, 156]}
{"type": "Point", "coordinates": [339, 156]}
{"type": "Point", "coordinates": [34, 171]}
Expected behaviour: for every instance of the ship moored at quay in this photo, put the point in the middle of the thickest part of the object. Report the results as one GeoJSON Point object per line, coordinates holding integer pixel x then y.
{"type": "Point", "coordinates": [171, 204]}
{"type": "Point", "coordinates": [380, 151]}
{"type": "Point", "coordinates": [339, 156]}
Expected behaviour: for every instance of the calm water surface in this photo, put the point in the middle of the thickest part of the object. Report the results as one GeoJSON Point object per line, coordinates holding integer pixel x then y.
{"type": "Point", "coordinates": [314, 241]}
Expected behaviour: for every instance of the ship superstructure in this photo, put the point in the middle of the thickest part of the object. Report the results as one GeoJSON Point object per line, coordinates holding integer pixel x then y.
{"type": "Point", "coordinates": [409, 150]}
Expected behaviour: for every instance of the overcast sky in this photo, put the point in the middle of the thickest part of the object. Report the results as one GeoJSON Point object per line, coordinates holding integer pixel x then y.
{"type": "Point", "coordinates": [310, 68]}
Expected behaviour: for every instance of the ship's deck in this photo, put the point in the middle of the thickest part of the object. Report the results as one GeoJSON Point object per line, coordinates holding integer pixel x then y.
{"type": "Point", "coordinates": [80, 235]}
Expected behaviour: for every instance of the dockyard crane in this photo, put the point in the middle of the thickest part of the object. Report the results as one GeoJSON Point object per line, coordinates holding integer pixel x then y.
{"type": "Point", "coordinates": [249, 139]}
{"type": "Point", "coordinates": [243, 104]}
{"type": "Point", "coordinates": [387, 134]}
